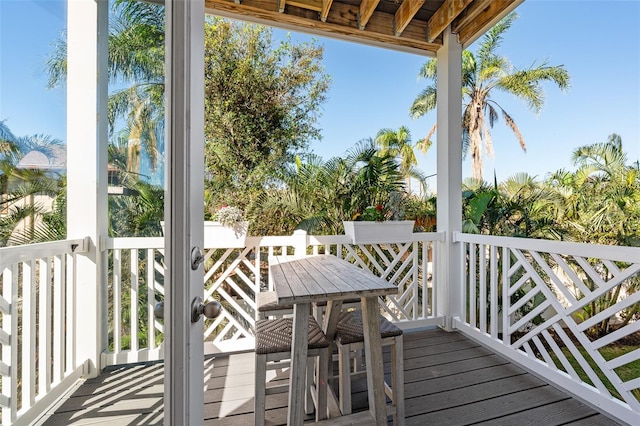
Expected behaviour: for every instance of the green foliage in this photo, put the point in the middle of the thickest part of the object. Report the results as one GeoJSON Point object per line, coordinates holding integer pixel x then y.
{"type": "Point", "coordinates": [138, 214]}
{"type": "Point", "coordinates": [32, 199]}
{"type": "Point", "coordinates": [520, 206]}
{"type": "Point", "coordinates": [372, 213]}
{"type": "Point", "coordinates": [7, 139]}
{"type": "Point", "coordinates": [398, 144]}
{"type": "Point", "coordinates": [423, 211]}
{"type": "Point", "coordinates": [317, 196]}
{"type": "Point", "coordinates": [261, 109]}
{"type": "Point", "coordinates": [606, 194]}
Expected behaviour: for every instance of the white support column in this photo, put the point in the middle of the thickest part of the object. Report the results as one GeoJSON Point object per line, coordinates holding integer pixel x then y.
{"type": "Point", "coordinates": [449, 168]}
{"type": "Point", "coordinates": [184, 214]}
{"type": "Point", "coordinates": [87, 51]}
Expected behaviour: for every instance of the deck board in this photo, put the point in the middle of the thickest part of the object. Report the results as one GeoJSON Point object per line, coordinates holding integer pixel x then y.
{"type": "Point", "coordinates": [449, 380]}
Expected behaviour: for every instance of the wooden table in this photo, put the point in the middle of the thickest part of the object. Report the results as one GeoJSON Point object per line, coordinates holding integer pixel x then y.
{"type": "Point", "coordinates": [303, 280]}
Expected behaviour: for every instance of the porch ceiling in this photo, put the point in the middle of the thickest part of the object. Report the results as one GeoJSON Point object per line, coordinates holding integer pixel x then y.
{"type": "Point", "coordinates": [409, 25]}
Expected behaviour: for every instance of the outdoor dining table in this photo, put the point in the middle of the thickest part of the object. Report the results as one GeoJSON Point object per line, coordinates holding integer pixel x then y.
{"type": "Point", "coordinates": [300, 281]}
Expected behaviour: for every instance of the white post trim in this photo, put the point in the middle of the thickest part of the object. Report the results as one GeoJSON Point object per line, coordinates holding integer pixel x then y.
{"type": "Point", "coordinates": [87, 53]}
{"type": "Point", "coordinates": [449, 169]}
{"type": "Point", "coordinates": [184, 214]}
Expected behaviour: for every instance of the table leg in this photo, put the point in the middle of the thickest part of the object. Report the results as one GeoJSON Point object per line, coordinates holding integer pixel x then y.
{"type": "Point", "coordinates": [373, 357]}
{"type": "Point", "coordinates": [330, 320]}
{"type": "Point", "coordinates": [297, 374]}
{"type": "Point", "coordinates": [329, 325]}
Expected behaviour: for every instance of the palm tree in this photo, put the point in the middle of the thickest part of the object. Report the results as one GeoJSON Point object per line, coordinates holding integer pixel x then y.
{"type": "Point", "coordinates": [520, 206]}
{"type": "Point", "coordinates": [137, 215]}
{"type": "Point", "coordinates": [397, 143]}
{"type": "Point", "coordinates": [33, 222]}
{"type": "Point", "coordinates": [136, 56]}
{"type": "Point", "coordinates": [481, 74]}
{"type": "Point", "coordinates": [7, 139]}
{"type": "Point", "coordinates": [27, 194]}
{"type": "Point", "coordinates": [530, 208]}
{"type": "Point", "coordinates": [317, 196]}
{"type": "Point", "coordinates": [136, 65]}
{"type": "Point", "coordinates": [604, 199]}
{"type": "Point", "coordinates": [609, 192]}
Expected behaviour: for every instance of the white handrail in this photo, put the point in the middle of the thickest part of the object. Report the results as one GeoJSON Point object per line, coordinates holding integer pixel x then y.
{"type": "Point", "coordinates": [617, 253]}
{"type": "Point", "coordinates": [16, 254]}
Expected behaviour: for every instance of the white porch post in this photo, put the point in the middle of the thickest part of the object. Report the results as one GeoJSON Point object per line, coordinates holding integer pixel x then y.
{"type": "Point", "coordinates": [449, 169]}
{"type": "Point", "coordinates": [87, 44]}
{"type": "Point", "coordinates": [184, 212]}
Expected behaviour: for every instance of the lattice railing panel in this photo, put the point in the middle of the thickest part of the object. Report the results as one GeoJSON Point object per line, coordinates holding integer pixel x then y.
{"type": "Point", "coordinates": [233, 277]}
{"type": "Point", "coordinates": [399, 264]}
{"type": "Point", "coordinates": [572, 308]}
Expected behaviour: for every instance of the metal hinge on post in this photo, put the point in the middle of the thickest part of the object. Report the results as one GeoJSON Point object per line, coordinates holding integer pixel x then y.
{"type": "Point", "coordinates": [81, 247]}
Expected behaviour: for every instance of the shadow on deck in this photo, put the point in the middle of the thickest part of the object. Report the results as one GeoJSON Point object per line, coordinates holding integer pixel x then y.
{"type": "Point", "coordinates": [449, 380]}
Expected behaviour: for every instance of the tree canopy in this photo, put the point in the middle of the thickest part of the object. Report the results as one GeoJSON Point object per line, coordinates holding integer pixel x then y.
{"type": "Point", "coordinates": [262, 102]}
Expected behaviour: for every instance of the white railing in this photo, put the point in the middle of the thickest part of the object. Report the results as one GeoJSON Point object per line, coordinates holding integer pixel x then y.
{"type": "Point", "coordinates": [540, 302]}
{"type": "Point", "coordinates": [37, 338]}
{"type": "Point", "coordinates": [536, 302]}
{"type": "Point", "coordinates": [234, 276]}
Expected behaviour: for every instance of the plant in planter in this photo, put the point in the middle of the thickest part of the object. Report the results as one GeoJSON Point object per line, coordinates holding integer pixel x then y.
{"type": "Point", "coordinates": [231, 217]}
{"type": "Point", "coordinates": [371, 214]}
{"type": "Point", "coordinates": [228, 228]}
{"type": "Point", "coordinates": [380, 224]}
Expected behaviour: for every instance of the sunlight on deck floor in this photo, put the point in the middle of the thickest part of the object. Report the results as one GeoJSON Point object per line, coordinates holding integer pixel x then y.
{"type": "Point", "coordinates": [449, 380]}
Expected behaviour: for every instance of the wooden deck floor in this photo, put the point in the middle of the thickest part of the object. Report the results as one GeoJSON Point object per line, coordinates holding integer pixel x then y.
{"type": "Point", "coordinates": [449, 380]}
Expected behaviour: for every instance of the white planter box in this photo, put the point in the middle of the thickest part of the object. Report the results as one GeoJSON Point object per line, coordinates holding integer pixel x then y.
{"type": "Point", "coordinates": [393, 231]}
{"type": "Point", "coordinates": [218, 236]}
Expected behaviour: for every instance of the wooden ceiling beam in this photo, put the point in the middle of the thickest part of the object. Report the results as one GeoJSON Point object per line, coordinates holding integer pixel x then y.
{"type": "Point", "coordinates": [341, 22]}
{"type": "Point", "coordinates": [326, 7]}
{"type": "Point", "coordinates": [345, 19]}
{"type": "Point", "coordinates": [471, 13]}
{"type": "Point", "coordinates": [445, 15]}
{"type": "Point", "coordinates": [405, 14]}
{"type": "Point", "coordinates": [315, 5]}
{"type": "Point", "coordinates": [367, 7]}
{"type": "Point", "coordinates": [479, 16]}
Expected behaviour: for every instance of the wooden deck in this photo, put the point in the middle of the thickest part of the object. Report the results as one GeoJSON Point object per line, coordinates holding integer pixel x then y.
{"type": "Point", "coordinates": [449, 380]}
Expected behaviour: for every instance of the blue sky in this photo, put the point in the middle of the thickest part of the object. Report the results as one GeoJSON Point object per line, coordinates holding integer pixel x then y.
{"type": "Point", "coordinates": [597, 41]}
{"type": "Point", "coordinates": [27, 30]}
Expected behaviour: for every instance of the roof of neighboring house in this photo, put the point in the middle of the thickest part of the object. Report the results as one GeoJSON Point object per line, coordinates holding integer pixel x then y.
{"type": "Point", "coordinates": [37, 160]}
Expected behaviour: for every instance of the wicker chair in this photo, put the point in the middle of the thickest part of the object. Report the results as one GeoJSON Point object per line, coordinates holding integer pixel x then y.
{"type": "Point", "coordinates": [349, 338]}
{"type": "Point", "coordinates": [273, 346]}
